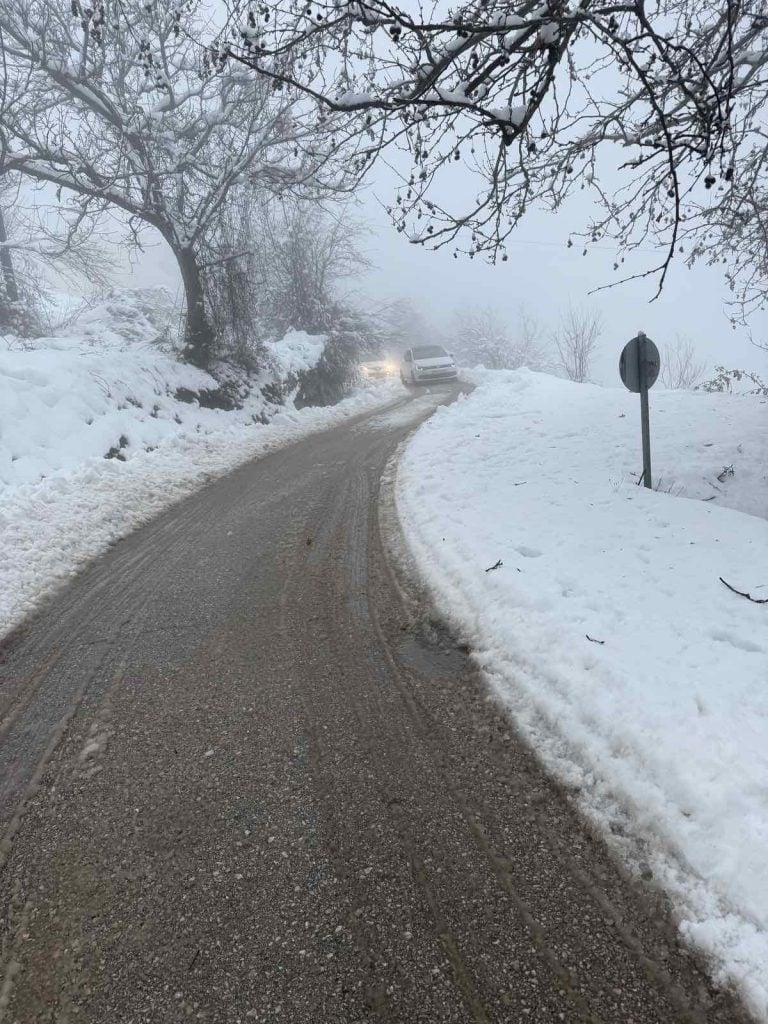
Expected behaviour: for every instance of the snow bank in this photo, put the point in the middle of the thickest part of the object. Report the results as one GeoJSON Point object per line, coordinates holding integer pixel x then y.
{"type": "Point", "coordinates": [105, 384]}
{"type": "Point", "coordinates": [660, 720]}
{"type": "Point", "coordinates": [100, 430]}
{"type": "Point", "coordinates": [62, 403]}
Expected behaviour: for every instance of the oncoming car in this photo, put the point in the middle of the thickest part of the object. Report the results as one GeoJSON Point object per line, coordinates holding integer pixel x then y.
{"type": "Point", "coordinates": [424, 364]}
{"type": "Point", "coordinates": [378, 369]}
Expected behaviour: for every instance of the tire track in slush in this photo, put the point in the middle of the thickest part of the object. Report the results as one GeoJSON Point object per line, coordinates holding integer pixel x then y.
{"type": "Point", "coordinates": [275, 789]}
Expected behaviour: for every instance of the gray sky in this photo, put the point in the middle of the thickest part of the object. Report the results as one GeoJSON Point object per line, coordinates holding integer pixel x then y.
{"type": "Point", "coordinates": [544, 276]}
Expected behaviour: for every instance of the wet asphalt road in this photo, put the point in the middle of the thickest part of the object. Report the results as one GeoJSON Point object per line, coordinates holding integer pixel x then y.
{"type": "Point", "coordinates": [245, 776]}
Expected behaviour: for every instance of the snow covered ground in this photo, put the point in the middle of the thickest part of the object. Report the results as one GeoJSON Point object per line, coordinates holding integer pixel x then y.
{"type": "Point", "coordinates": [102, 387]}
{"type": "Point", "coordinates": [638, 676]}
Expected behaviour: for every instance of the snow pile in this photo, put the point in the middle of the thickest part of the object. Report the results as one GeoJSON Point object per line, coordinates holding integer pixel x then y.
{"type": "Point", "coordinates": [100, 429]}
{"type": "Point", "coordinates": [297, 352]}
{"type": "Point", "coordinates": [126, 315]}
{"type": "Point", "coordinates": [104, 387]}
{"type": "Point", "coordinates": [65, 401]}
{"type": "Point", "coordinates": [640, 678]}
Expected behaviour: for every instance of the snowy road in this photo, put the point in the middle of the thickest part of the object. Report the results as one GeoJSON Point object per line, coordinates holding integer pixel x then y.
{"type": "Point", "coordinates": [245, 777]}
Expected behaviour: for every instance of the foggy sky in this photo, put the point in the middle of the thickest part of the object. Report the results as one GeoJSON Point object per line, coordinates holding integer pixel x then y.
{"type": "Point", "coordinates": [544, 276]}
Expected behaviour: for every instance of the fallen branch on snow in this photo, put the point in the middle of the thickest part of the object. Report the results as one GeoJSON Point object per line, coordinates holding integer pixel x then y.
{"type": "Point", "coordinates": [741, 593]}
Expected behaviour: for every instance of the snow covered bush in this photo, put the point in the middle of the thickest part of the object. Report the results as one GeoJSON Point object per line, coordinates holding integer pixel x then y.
{"type": "Point", "coordinates": [142, 316]}
{"type": "Point", "coordinates": [724, 380]}
{"type": "Point", "coordinates": [20, 315]}
{"type": "Point", "coordinates": [337, 368]}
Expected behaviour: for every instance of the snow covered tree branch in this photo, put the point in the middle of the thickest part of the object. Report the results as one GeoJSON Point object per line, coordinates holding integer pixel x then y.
{"type": "Point", "coordinates": [36, 238]}
{"type": "Point", "coordinates": [652, 106]}
{"type": "Point", "coordinates": [118, 107]}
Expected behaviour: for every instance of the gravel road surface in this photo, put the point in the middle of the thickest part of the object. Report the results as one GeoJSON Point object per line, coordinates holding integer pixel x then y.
{"type": "Point", "coordinates": [245, 776]}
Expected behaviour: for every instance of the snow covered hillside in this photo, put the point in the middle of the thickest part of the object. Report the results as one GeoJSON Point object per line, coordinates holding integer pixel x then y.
{"type": "Point", "coordinates": [100, 429]}
{"type": "Point", "coordinates": [597, 611]}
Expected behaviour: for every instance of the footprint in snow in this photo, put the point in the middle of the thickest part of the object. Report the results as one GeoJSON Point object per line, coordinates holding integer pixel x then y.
{"type": "Point", "coordinates": [735, 641]}
{"type": "Point", "coordinates": [527, 552]}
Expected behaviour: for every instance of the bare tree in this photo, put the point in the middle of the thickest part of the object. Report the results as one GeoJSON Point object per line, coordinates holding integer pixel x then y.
{"type": "Point", "coordinates": [36, 244]}
{"type": "Point", "coordinates": [404, 325]}
{"type": "Point", "coordinates": [576, 341]}
{"type": "Point", "coordinates": [534, 349]}
{"type": "Point", "coordinates": [284, 264]}
{"type": "Point", "coordinates": [49, 235]}
{"type": "Point", "coordinates": [9, 288]}
{"type": "Point", "coordinates": [680, 369]}
{"type": "Point", "coordinates": [654, 110]}
{"type": "Point", "coordinates": [280, 263]}
{"type": "Point", "coordinates": [304, 253]}
{"type": "Point", "coordinates": [113, 107]}
{"type": "Point", "coordinates": [483, 336]}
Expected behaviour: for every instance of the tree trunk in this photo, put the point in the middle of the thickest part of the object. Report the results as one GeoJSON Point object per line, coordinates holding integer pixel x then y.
{"type": "Point", "coordinates": [198, 334]}
{"type": "Point", "coordinates": [9, 294]}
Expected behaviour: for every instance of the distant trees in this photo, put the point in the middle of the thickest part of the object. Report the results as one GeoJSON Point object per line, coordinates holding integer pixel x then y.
{"type": "Point", "coordinates": [483, 336]}
{"type": "Point", "coordinates": [118, 110]}
{"type": "Point", "coordinates": [9, 287]}
{"type": "Point", "coordinates": [285, 258]}
{"type": "Point", "coordinates": [32, 242]}
{"type": "Point", "coordinates": [302, 254]}
{"type": "Point", "coordinates": [283, 263]}
{"type": "Point", "coordinates": [576, 341]}
{"type": "Point", "coordinates": [680, 368]}
{"type": "Point", "coordinates": [403, 325]}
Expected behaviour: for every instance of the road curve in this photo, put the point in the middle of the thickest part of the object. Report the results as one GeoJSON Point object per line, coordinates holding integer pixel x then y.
{"type": "Point", "coordinates": [243, 777]}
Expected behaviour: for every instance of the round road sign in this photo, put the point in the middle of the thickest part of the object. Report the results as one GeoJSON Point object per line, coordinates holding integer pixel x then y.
{"type": "Point", "coordinates": [639, 363]}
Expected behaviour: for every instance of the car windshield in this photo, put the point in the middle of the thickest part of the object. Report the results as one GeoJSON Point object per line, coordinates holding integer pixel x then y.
{"type": "Point", "coordinates": [429, 352]}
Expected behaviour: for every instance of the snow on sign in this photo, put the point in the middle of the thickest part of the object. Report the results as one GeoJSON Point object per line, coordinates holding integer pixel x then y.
{"type": "Point", "coordinates": [639, 366]}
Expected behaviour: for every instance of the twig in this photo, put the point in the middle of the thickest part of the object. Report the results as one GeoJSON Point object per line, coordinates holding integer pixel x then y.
{"type": "Point", "coordinates": [193, 961]}
{"type": "Point", "coordinates": [593, 639]}
{"type": "Point", "coordinates": [741, 593]}
{"type": "Point", "coordinates": [497, 566]}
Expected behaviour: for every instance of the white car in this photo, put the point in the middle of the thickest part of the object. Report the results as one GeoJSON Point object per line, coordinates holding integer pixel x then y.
{"type": "Point", "coordinates": [425, 364]}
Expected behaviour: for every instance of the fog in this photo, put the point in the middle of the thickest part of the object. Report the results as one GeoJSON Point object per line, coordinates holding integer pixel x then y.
{"type": "Point", "coordinates": [543, 276]}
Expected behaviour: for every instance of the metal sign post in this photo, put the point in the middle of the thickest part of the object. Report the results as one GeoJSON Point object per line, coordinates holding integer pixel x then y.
{"type": "Point", "coordinates": [639, 367]}
{"type": "Point", "coordinates": [645, 419]}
